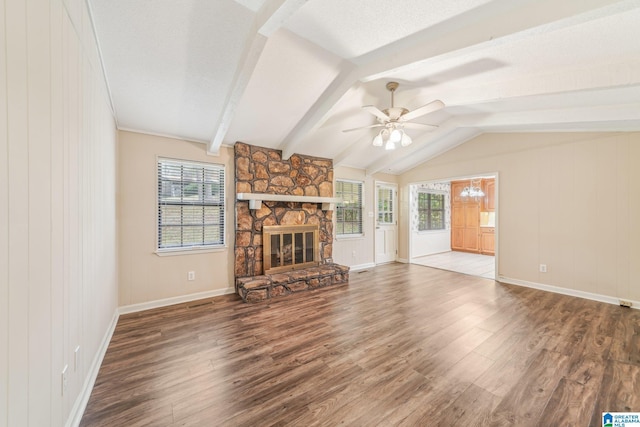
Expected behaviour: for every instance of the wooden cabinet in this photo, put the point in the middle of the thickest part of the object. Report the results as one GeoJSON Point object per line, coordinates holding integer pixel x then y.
{"type": "Point", "coordinates": [487, 241]}
{"type": "Point", "coordinates": [457, 239]}
{"type": "Point", "coordinates": [456, 189]}
{"type": "Point", "coordinates": [464, 227]}
{"type": "Point", "coordinates": [466, 233]}
{"type": "Point", "coordinates": [471, 226]}
{"type": "Point", "coordinates": [489, 199]}
{"type": "Point", "coordinates": [465, 220]}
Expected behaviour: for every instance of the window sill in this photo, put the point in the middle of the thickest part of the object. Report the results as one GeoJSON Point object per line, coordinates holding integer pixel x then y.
{"type": "Point", "coordinates": [444, 230]}
{"type": "Point", "coordinates": [350, 237]}
{"type": "Point", "coordinates": [189, 251]}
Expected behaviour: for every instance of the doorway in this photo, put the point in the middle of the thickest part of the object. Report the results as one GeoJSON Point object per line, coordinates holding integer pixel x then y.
{"type": "Point", "coordinates": [386, 237]}
{"type": "Point", "coordinates": [468, 241]}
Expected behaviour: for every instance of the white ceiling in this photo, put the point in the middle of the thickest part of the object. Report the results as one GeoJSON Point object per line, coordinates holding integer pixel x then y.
{"type": "Point", "coordinates": [292, 74]}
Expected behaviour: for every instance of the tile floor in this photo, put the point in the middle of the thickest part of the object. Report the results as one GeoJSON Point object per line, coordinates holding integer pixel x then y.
{"type": "Point", "coordinates": [460, 262]}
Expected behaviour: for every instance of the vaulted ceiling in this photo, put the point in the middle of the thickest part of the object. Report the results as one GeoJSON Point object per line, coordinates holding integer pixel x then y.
{"type": "Point", "coordinates": [293, 74]}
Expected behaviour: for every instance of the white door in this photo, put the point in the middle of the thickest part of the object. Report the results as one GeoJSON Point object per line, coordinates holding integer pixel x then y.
{"type": "Point", "coordinates": [386, 223]}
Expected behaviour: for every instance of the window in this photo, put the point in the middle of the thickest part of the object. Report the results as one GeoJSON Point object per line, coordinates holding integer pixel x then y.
{"type": "Point", "coordinates": [349, 210]}
{"type": "Point", "coordinates": [386, 205]}
{"type": "Point", "coordinates": [190, 204]}
{"type": "Point", "coordinates": [430, 211]}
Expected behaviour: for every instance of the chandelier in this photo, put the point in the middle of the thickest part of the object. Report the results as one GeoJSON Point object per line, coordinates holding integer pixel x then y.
{"type": "Point", "coordinates": [472, 191]}
{"type": "Point", "coordinates": [392, 134]}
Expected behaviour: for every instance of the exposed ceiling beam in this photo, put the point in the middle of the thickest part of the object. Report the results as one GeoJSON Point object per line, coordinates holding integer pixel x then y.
{"type": "Point", "coordinates": [249, 59]}
{"type": "Point", "coordinates": [614, 116]}
{"type": "Point", "coordinates": [479, 28]}
{"type": "Point", "coordinates": [269, 18]}
{"type": "Point", "coordinates": [274, 13]}
{"type": "Point", "coordinates": [320, 110]}
{"type": "Point", "coordinates": [463, 34]}
{"type": "Point", "coordinates": [607, 118]}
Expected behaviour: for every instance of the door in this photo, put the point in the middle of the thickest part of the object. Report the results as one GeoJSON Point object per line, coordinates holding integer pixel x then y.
{"type": "Point", "coordinates": [386, 223]}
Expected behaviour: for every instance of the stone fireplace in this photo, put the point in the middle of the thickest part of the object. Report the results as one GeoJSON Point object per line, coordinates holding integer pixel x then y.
{"type": "Point", "coordinates": [272, 192]}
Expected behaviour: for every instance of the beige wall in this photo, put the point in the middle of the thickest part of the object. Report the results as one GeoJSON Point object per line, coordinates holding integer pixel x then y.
{"type": "Point", "coordinates": [567, 200]}
{"type": "Point", "coordinates": [145, 276]}
{"type": "Point", "coordinates": [58, 267]}
{"type": "Point", "coordinates": [359, 252]}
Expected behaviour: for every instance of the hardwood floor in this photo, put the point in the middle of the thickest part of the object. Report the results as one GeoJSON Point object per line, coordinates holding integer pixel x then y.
{"type": "Point", "coordinates": [401, 345]}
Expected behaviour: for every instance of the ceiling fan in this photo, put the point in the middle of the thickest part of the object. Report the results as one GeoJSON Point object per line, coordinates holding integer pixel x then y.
{"type": "Point", "coordinates": [394, 120]}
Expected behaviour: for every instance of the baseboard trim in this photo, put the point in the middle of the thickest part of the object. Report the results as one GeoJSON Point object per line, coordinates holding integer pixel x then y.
{"type": "Point", "coordinates": [134, 308]}
{"type": "Point", "coordinates": [83, 398]}
{"type": "Point", "coordinates": [361, 266]}
{"type": "Point", "coordinates": [566, 291]}
{"type": "Point", "coordinates": [403, 260]}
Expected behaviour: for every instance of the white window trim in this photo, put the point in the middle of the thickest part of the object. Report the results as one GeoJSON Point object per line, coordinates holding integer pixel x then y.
{"type": "Point", "coordinates": [352, 236]}
{"type": "Point", "coordinates": [427, 191]}
{"type": "Point", "coordinates": [190, 250]}
{"type": "Point", "coordinates": [193, 250]}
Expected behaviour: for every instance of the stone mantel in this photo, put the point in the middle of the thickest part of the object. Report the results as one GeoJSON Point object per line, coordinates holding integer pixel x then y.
{"type": "Point", "coordinates": [256, 199]}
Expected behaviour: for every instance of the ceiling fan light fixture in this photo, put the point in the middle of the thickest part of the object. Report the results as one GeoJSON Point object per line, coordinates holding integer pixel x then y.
{"type": "Point", "coordinates": [394, 119]}
{"type": "Point", "coordinates": [406, 140]}
{"type": "Point", "coordinates": [396, 135]}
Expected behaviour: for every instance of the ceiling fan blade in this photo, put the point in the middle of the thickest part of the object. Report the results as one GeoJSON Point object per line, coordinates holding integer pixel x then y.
{"type": "Point", "coordinates": [377, 125]}
{"type": "Point", "coordinates": [421, 111]}
{"type": "Point", "coordinates": [376, 112]}
{"type": "Point", "coordinates": [420, 126]}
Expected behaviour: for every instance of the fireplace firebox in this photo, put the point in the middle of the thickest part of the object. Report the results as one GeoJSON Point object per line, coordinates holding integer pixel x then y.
{"type": "Point", "coordinates": [290, 247]}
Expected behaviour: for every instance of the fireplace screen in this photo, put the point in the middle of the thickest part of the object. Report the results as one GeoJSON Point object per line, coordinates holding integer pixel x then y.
{"type": "Point", "coordinates": [288, 247]}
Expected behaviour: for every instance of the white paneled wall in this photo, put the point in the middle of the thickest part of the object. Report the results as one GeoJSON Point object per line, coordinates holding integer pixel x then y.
{"type": "Point", "coordinates": [4, 226]}
{"type": "Point", "coordinates": [58, 268]}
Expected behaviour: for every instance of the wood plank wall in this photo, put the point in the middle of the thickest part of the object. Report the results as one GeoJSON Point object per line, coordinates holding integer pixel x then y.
{"type": "Point", "coordinates": [58, 285]}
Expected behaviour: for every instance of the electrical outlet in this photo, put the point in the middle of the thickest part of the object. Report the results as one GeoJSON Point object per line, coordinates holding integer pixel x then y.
{"type": "Point", "coordinates": [64, 379]}
{"type": "Point", "coordinates": [543, 268]}
{"type": "Point", "coordinates": [353, 254]}
{"type": "Point", "coordinates": [75, 358]}
{"type": "Point", "coordinates": [624, 303]}
{"type": "Point", "coordinates": [191, 275]}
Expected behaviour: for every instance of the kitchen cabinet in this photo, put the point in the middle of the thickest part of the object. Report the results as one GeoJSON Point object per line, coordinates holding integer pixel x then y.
{"type": "Point", "coordinates": [465, 220]}
{"type": "Point", "coordinates": [456, 189]}
{"type": "Point", "coordinates": [487, 241]}
{"type": "Point", "coordinates": [489, 199]}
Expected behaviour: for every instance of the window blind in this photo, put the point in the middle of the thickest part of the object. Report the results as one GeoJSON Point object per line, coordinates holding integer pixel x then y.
{"type": "Point", "coordinates": [349, 209]}
{"type": "Point", "coordinates": [190, 204]}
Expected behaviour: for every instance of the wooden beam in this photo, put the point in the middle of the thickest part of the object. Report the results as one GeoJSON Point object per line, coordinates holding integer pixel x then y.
{"type": "Point", "coordinates": [269, 18]}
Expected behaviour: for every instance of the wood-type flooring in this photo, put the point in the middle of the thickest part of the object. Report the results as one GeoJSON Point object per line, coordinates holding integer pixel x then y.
{"type": "Point", "coordinates": [401, 345]}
